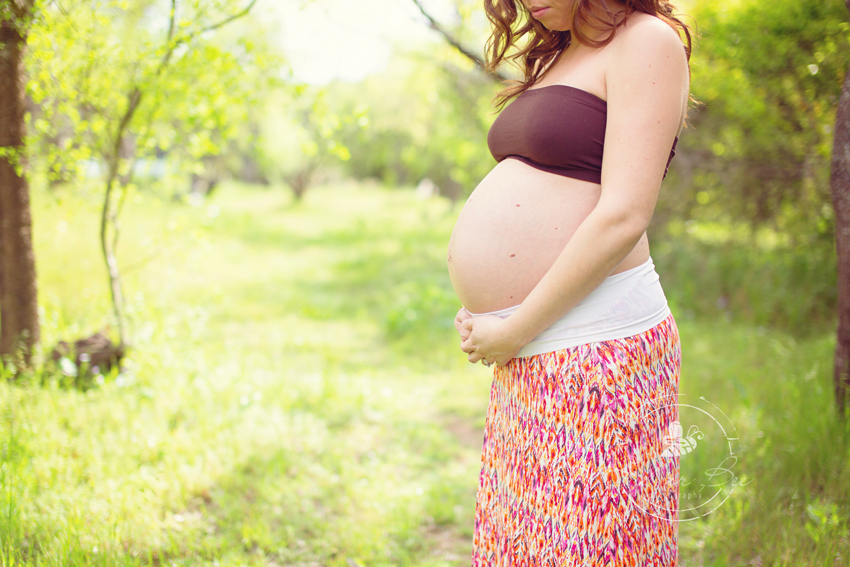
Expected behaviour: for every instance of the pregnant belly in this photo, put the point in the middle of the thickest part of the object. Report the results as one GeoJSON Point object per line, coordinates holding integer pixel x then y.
{"type": "Point", "coordinates": [512, 229]}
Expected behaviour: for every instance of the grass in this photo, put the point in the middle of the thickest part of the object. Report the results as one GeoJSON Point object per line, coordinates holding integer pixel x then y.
{"type": "Point", "coordinates": [296, 397]}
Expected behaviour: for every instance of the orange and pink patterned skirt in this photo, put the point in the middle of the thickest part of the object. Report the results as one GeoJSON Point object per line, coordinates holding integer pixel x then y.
{"type": "Point", "coordinates": [574, 468]}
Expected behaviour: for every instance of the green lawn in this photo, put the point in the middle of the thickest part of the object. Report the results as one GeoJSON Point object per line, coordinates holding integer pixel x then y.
{"type": "Point", "coordinates": [296, 396]}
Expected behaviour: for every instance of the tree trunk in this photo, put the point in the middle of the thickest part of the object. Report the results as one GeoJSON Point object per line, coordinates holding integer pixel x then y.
{"type": "Point", "coordinates": [840, 188]}
{"type": "Point", "coordinates": [18, 307]}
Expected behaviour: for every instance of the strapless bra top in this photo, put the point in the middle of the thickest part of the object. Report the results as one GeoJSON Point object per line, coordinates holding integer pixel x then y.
{"type": "Point", "coordinates": [558, 128]}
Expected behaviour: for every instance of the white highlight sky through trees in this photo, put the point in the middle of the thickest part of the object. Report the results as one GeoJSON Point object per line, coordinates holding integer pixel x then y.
{"type": "Point", "coordinates": [348, 39]}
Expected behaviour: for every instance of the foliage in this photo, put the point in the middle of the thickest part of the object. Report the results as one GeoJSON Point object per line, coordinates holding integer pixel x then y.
{"type": "Point", "coordinates": [118, 80]}
{"type": "Point", "coordinates": [298, 134]}
{"type": "Point", "coordinates": [428, 117]}
{"type": "Point", "coordinates": [88, 58]}
{"type": "Point", "coordinates": [769, 76]}
{"type": "Point", "coordinates": [712, 269]}
{"type": "Point", "coordinates": [417, 306]}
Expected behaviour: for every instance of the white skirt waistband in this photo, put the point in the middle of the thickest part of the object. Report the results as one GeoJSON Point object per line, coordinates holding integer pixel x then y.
{"type": "Point", "coordinates": [623, 305]}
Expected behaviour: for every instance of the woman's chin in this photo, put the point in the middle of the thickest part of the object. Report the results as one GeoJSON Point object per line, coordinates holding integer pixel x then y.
{"type": "Point", "coordinates": [552, 24]}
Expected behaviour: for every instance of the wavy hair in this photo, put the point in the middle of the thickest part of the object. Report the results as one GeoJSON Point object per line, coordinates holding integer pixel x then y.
{"type": "Point", "coordinates": [511, 25]}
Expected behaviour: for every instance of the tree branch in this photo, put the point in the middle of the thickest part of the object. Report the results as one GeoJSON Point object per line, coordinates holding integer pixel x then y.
{"type": "Point", "coordinates": [172, 17]}
{"type": "Point", "coordinates": [215, 26]}
{"type": "Point", "coordinates": [190, 36]}
{"type": "Point", "coordinates": [169, 41]}
{"type": "Point", "coordinates": [437, 27]}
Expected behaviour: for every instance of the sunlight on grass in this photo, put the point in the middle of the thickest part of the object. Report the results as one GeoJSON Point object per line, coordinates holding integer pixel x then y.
{"type": "Point", "coordinates": [296, 396]}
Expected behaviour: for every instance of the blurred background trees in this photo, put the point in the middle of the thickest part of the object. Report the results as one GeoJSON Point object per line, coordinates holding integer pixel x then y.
{"type": "Point", "coordinates": [119, 82]}
{"type": "Point", "coordinates": [768, 76]}
{"type": "Point", "coordinates": [174, 97]}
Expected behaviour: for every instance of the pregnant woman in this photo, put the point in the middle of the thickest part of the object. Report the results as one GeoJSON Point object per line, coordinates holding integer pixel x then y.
{"type": "Point", "coordinates": [551, 261]}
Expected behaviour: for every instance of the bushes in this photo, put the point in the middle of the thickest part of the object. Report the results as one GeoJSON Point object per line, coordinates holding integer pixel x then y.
{"type": "Point", "coordinates": [788, 288]}
{"type": "Point", "coordinates": [419, 306]}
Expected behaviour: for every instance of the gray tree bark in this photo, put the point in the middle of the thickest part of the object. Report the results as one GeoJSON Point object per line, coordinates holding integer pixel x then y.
{"type": "Point", "coordinates": [19, 327]}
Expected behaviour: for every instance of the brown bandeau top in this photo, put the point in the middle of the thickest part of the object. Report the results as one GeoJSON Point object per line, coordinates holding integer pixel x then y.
{"type": "Point", "coordinates": [558, 128]}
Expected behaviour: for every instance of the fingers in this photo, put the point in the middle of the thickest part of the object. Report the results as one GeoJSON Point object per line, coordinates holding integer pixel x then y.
{"type": "Point", "coordinates": [467, 346]}
{"type": "Point", "coordinates": [474, 356]}
{"type": "Point", "coordinates": [462, 316]}
{"type": "Point", "coordinates": [465, 329]}
{"type": "Point", "coordinates": [458, 321]}
{"type": "Point", "coordinates": [464, 325]}
{"type": "Point", "coordinates": [470, 349]}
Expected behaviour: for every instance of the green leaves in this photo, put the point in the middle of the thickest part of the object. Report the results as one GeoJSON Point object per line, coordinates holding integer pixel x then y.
{"type": "Point", "coordinates": [14, 156]}
{"type": "Point", "coordinates": [428, 118]}
{"type": "Point", "coordinates": [769, 75]}
{"type": "Point", "coordinates": [298, 133]}
{"type": "Point", "coordinates": [86, 60]}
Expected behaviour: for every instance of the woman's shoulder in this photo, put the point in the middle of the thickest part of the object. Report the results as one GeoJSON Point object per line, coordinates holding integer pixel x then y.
{"type": "Point", "coordinates": [647, 68]}
{"type": "Point", "coordinates": [647, 48]}
{"type": "Point", "coordinates": [648, 36]}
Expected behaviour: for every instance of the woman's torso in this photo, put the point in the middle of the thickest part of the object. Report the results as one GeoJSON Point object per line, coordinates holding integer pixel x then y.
{"type": "Point", "coordinates": [519, 218]}
{"type": "Point", "coordinates": [511, 230]}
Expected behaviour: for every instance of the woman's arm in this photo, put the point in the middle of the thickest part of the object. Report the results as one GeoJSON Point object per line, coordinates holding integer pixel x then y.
{"type": "Point", "coordinates": [647, 89]}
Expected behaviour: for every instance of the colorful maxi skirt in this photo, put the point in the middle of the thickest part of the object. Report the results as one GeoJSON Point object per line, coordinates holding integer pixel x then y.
{"type": "Point", "coordinates": [574, 467]}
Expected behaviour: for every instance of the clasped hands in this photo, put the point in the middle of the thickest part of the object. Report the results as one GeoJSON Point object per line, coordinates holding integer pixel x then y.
{"type": "Point", "coordinates": [487, 338]}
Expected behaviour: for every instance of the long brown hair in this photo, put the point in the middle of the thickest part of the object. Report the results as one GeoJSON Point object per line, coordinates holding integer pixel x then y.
{"type": "Point", "coordinates": [511, 25]}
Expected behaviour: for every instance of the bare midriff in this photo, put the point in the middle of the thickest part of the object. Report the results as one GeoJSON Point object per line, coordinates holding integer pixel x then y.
{"type": "Point", "coordinates": [512, 229]}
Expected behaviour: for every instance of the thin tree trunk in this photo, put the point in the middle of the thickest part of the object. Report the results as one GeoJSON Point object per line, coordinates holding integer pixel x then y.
{"type": "Point", "coordinates": [840, 188]}
{"type": "Point", "coordinates": [18, 296]}
{"type": "Point", "coordinates": [109, 212]}
{"type": "Point", "coordinates": [110, 216]}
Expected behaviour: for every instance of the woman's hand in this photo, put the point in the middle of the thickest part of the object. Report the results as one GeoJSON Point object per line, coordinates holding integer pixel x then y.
{"type": "Point", "coordinates": [462, 315]}
{"type": "Point", "coordinates": [489, 340]}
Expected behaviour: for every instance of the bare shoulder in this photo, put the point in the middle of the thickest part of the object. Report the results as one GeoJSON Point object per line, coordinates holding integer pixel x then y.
{"type": "Point", "coordinates": [648, 38]}
{"type": "Point", "coordinates": [647, 62]}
